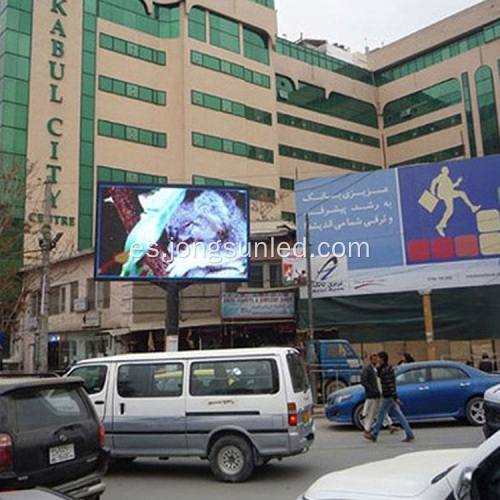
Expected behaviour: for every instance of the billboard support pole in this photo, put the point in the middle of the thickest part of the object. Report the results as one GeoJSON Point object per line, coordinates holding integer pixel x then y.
{"type": "Point", "coordinates": [172, 314]}
{"type": "Point", "coordinates": [429, 325]}
{"type": "Point", "coordinates": [311, 355]}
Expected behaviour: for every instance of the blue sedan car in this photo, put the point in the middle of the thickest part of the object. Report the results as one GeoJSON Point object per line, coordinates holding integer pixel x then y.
{"type": "Point", "coordinates": [427, 390]}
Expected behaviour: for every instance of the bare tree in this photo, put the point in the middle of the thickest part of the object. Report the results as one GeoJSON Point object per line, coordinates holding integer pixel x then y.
{"type": "Point", "coordinates": [13, 172]}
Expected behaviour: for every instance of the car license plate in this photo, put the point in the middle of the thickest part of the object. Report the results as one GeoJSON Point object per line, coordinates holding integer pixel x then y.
{"type": "Point", "coordinates": [61, 453]}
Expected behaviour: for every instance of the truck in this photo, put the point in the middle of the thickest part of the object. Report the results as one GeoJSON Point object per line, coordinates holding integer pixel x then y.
{"type": "Point", "coordinates": [333, 364]}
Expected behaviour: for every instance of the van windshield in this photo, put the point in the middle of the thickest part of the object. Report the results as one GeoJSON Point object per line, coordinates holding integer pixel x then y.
{"type": "Point", "coordinates": [298, 372]}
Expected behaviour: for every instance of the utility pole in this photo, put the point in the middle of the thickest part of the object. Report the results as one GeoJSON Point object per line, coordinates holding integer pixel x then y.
{"type": "Point", "coordinates": [46, 244]}
{"type": "Point", "coordinates": [311, 351]}
{"type": "Point", "coordinates": [429, 324]}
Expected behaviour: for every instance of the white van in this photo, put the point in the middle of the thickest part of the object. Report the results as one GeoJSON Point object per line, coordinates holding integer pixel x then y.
{"type": "Point", "coordinates": [238, 407]}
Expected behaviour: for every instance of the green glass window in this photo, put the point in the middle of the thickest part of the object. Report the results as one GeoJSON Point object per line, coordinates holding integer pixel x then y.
{"type": "Point", "coordinates": [256, 193]}
{"type": "Point", "coordinates": [163, 22]}
{"type": "Point", "coordinates": [132, 90]}
{"type": "Point", "coordinates": [420, 103]}
{"type": "Point", "coordinates": [430, 128]}
{"type": "Point", "coordinates": [315, 58]}
{"type": "Point", "coordinates": [112, 174]}
{"type": "Point", "coordinates": [232, 147]}
{"type": "Point", "coordinates": [488, 117]}
{"type": "Point", "coordinates": [314, 98]}
{"type": "Point", "coordinates": [289, 216]}
{"type": "Point", "coordinates": [231, 107]}
{"type": "Point", "coordinates": [132, 49]}
{"type": "Point", "coordinates": [255, 46]}
{"type": "Point", "coordinates": [266, 3]}
{"type": "Point", "coordinates": [468, 42]}
{"type": "Point", "coordinates": [229, 68]}
{"type": "Point", "coordinates": [286, 183]}
{"type": "Point", "coordinates": [224, 33]}
{"type": "Point", "coordinates": [468, 115]}
{"type": "Point", "coordinates": [325, 159]}
{"type": "Point", "coordinates": [133, 134]}
{"type": "Point", "coordinates": [197, 25]}
{"type": "Point", "coordinates": [321, 128]}
{"type": "Point", "coordinates": [446, 154]}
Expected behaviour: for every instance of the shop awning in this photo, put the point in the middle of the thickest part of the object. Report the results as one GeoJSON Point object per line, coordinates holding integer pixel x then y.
{"type": "Point", "coordinates": [115, 332]}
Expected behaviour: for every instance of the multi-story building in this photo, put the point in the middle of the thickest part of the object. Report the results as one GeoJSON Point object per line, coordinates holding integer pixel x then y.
{"type": "Point", "coordinates": [206, 93]}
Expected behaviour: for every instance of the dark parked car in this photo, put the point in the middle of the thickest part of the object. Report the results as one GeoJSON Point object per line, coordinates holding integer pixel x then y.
{"type": "Point", "coordinates": [50, 436]}
{"type": "Point", "coordinates": [428, 390]}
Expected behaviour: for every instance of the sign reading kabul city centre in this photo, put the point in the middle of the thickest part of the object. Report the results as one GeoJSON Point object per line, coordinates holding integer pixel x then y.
{"type": "Point", "coordinates": [412, 228]}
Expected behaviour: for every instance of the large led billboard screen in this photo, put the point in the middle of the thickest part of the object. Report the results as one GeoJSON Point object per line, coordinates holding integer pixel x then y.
{"type": "Point", "coordinates": [151, 232]}
{"type": "Point", "coordinates": [413, 228]}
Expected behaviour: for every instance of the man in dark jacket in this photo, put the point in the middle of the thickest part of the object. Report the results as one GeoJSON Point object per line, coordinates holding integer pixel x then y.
{"type": "Point", "coordinates": [390, 401]}
{"type": "Point", "coordinates": [371, 383]}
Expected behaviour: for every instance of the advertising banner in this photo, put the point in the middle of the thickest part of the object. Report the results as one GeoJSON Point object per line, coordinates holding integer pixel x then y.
{"type": "Point", "coordinates": [148, 232]}
{"type": "Point", "coordinates": [412, 228]}
{"type": "Point", "coordinates": [273, 305]}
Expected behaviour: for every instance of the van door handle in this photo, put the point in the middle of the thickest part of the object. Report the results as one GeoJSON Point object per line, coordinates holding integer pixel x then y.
{"type": "Point", "coordinates": [122, 408]}
{"type": "Point", "coordinates": [465, 384]}
{"type": "Point", "coordinates": [98, 402]}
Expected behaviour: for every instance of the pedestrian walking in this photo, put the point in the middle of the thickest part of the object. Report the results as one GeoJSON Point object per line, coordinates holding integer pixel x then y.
{"type": "Point", "coordinates": [373, 394]}
{"type": "Point", "coordinates": [390, 401]}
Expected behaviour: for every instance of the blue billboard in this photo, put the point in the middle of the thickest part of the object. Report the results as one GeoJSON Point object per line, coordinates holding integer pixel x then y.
{"type": "Point", "coordinates": [424, 226]}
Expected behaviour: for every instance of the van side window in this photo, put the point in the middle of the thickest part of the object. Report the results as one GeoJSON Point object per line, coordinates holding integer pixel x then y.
{"type": "Point", "coordinates": [157, 380]}
{"type": "Point", "coordinates": [93, 377]}
{"type": "Point", "coordinates": [232, 377]}
{"type": "Point", "coordinates": [298, 372]}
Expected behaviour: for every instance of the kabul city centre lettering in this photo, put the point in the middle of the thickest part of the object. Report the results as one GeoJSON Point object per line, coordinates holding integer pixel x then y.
{"type": "Point", "coordinates": [55, 124]}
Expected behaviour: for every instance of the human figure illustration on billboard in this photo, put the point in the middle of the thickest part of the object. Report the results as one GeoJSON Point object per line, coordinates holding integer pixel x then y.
{"type": "Point", "coordinates": [443, 188]}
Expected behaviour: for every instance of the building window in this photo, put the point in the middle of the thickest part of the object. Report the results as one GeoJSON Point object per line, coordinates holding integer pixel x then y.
{"type": "Point", "coordinates": [132, 90]}
{"type": "Point", "coordinates": [232, 147]}
{"type": "Point", "coordinates": [197, 26]}
{"type": "Point", "coordinates": [255, 46]}
{"type": "Point", "coordinates": [488, 117]}
{"type": "Point", "coordinates": [231, 107]}
{"type": "Point", "coordinates": [469, 115]}
{"type": "Point", "coordinates": [324, 159]}
{"type": "Point", "coordinates": [131, 134]}
{"type": "Point", "coordinates": [328, 130]}
{"type": "Point", "coordinates": [131, 49]}
{"type": "Point", "coordinates": [73, 295]}
{"type": "Point", "coordinates": [314, 98]}
{"type": "Point", "coordinates": [224, 33]}
{"type": "Point", "coordinates": [265, 275]}
{"type": "Point", "coordinates": [164, 23]}
{"type": "Point", "coordinates": [98, 294]}
{"type": "Point", "coordinates": [430, 128]}
{"type": "Point", "coordinates": [446, 154]}
{"type": "Point", "coordinates": [108, 174]}
{"type": "Point", "coordinates": [231, 69]}
{"type": "Point", "coordinates": [256, 193]}
{"type": "Point", "coordinates": [420, 103]}
{"type": "Point", "coordinates": [286, 183]}
{"type": "Point", "coordinates": [58, 296]}
{"type": "Point", "coordinates": [329, 63]}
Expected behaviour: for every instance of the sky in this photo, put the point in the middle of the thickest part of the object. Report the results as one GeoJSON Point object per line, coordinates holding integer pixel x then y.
{"type": "Point", "coordinates": [360, 23]}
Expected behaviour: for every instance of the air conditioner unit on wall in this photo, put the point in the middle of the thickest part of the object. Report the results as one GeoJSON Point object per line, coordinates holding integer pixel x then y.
{"type": "Point", "coordinates": [80, 305]}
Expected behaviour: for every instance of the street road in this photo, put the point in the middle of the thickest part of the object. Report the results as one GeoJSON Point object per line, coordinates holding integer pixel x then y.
{"type": "Point", "coordinates": [336, 447]}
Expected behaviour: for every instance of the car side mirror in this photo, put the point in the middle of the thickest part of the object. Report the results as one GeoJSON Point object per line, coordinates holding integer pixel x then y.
{"type": "Point", "coordinates": [464, 489]}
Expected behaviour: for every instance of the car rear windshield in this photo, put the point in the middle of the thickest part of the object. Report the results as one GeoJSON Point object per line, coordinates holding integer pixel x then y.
{"type": "Point", "coordinates": [298, 372]}
{"type": "Point", "coordinates": [49, 407]}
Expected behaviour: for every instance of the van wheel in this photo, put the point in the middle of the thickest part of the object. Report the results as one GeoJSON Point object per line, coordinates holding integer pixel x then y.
{"type": "Point", "coordinates": [231, 459]}
{"type": "Point", "coordinates": [332, 386]}
{"type": "Point", "coordinates": [357, 417]}
{"type": "Point", "coordinates": [474, 411]}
